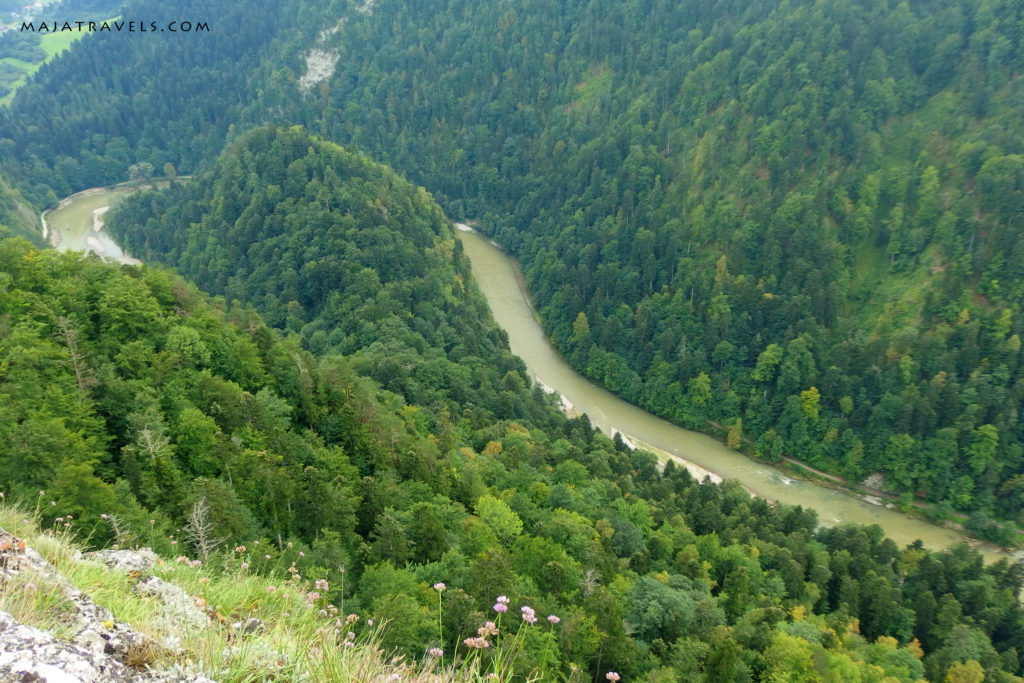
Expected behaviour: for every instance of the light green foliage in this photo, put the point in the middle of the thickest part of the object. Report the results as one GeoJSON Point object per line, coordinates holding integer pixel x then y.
{"type": "Point", "coordinates": [740, 203]}
{"type": "Point", "coordinates": [500, 517]}
{"type": "Point", "coordinates": [766, 363]}
{"type": "Point", "coordinates": [810, 401]}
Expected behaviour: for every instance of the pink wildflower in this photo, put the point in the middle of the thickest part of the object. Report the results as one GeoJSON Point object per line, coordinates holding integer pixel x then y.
{"type": "Point", "coordinates": [322, 585]}
{"type": "Point", "coordinates": [553, 619]}
{"type": "Point", "coordinates": [435, 652]}
{"type": "Point", "coordinates": [500, 607]}
{"type": "Point", "coordinates": [439, 587]}
{"type": "Point", "coordinates": [612, 676]}
{"type": "Point", "coordinates": [529, 616]}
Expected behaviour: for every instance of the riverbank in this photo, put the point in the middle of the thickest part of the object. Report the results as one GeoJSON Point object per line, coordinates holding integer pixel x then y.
{"type": "Point", "coordinates": [77, 223]}
{"type": "Point", "coordinates": [504, 289]}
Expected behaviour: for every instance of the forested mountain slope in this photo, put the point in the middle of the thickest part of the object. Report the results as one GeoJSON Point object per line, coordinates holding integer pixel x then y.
{"type": "Point", "coordinates": [17, 217]}
{"type": "Point", "coordinates": [338, 248]}
{"type": "Point", "coordinates": [802, 216]}
{"type": "Point", "coordinates": [798, 220]}
{"type": "Point", "coordinates": [118, 98]}
{"type": "Point", "coordinates": [129, 399]}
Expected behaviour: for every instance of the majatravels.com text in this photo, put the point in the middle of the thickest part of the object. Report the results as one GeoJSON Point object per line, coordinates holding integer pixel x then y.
{"type": "Point", "coordinates": [116, 26]}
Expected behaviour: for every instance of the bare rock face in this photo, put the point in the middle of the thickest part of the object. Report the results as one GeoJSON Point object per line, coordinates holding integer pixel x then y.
{"type": "Point", "coordinates": [139, 560]}
{"type": "Point", "coordinates": [181, 613]}
{"type": "Point", "coordinates": [100, 647]}
{"type": "Point", "coordinates": [28, 654]}
{"type": "Point", "coordinates": [247, 626]}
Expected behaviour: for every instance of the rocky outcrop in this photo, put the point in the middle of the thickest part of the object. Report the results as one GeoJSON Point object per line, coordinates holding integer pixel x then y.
{"type": "Point", "coordinates": [139, 560]}
{"type": "Point", "coordinates": [180, 614]}
{"type": "Point", "coordinates": [28, 654]}
{"type": "Point", "coordinates": [100, 649]}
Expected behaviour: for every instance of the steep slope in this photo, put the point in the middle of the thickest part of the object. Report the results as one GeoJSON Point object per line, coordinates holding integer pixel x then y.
{"type": "Point", "coordinates": [801, 220]}
{"type": "Point", "coordinates": [17, 217]}
{"type": "Point", "coordinates": [134, 412]}
{"type": "Point", "coordinates": [797, 221]}
{"type": "Point", "coordinates": [117, 98]}
{"type": "Point", "coordinates": [342, 250]}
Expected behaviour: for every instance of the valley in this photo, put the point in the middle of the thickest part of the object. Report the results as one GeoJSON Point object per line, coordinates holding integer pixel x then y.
{"type": "Point", "coordinates": [503, 287]}
{"type": "Point", "coordinates": [794, 227]}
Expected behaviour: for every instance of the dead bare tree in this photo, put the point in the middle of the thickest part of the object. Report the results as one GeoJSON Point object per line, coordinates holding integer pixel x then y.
{"type": "Point", "coordinates": [68, 334]}
{"type": "Point", "coordinates": [199, 530]}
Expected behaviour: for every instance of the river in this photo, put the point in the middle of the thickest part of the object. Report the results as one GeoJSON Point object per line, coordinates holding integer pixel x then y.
{"type": "Point", "coordinates": [502, 285]}
{"type": "Point", "coordinates": [78, 226]}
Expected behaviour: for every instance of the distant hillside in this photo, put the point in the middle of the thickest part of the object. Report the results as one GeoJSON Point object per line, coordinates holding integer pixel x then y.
{"type": "Point", "coordinates": [800, 220]}
{"type": "Point", "coordinates": [17, 217]}
{"type": "Point", "coordinates": [119, 98]}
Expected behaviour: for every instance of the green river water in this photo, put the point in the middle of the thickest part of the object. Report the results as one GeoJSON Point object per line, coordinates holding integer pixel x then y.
{"type": "Point", "coordinates": [502, 285]}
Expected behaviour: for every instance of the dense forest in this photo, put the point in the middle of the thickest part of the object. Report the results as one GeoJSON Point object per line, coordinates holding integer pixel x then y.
{"type": "Point", "coordinates": [163, 98]}
{"type": "Point", "coordinates": [137, 398]}
{"type": "Point", "coordinates": [796, 221]}
{"type": "Point", "coordinates": [341, 250]}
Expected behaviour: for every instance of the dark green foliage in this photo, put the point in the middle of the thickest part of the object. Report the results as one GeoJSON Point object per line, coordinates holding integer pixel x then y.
{"type": "Point", "coordinates": [356, 260]}
{"type": "Point", "coordinates": [836, 184]}
{"type": "Point", "coordinates": [128, 394]}
{"type": "Point", "coordinates": [129, 97]}
{"type": "Point", "coordinates": [722, 208]}
{"type": "Point", "coordinates": [803, 215]}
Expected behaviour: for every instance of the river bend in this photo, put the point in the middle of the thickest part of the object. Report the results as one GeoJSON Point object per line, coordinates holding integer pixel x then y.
{"type": "Point", "coordinates": [503, 286]}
